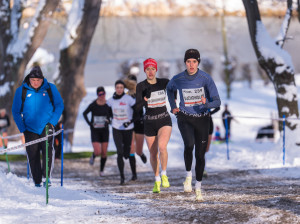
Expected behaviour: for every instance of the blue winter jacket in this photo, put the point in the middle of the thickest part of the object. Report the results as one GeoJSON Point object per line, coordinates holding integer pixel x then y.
{"type": "Point", "coordinates": [37, 109]}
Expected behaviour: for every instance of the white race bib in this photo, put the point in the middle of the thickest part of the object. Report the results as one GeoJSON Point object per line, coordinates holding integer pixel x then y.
{"type": "Point", "coordinates": [120, 114]}
{"type": "Point", "coordinates": [192, 97]}
{"type": "Point", "coordinates": [157, 99]}
{"type": "Point", "coordinates": [99, 121]}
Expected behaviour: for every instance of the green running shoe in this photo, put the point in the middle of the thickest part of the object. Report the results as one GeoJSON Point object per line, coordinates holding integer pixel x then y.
{"type": "Point", "coordinates": [156, 188]}
{"type": "Point", "coordinates": [165, 181]}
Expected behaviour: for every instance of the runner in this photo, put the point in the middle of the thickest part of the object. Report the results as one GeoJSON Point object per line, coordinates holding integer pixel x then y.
{"type": "Point", "coordinates": [122, 112]}
{"type": "Point", "coordinates": [194, 86]}
{"type": "Point", "coordinates": [138, 131]}
{"type": "Point", "coordinates": [99, 127]}
{"type": "Point", "coordinates": [151, 94]}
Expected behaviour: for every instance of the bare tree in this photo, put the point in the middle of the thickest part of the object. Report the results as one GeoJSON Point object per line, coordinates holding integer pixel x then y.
{"type": "Point", "coordinates": [246, 74]}
{"type": "Point", "coordinates": [17, 50]}
{"type": "Point", "coordinates": [228, 63]}
{"type": "Point", "coordinates": [275, 61]}
{"type": "Point", "coordinates": [74, 47]}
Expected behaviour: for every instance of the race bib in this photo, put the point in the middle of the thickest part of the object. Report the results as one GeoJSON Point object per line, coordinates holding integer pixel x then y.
{"type": "Point", "coordinates": [99, 121]}
{"type": "Point", "coordinates": [192, 97]}
{"type": "Point", "coordinates": [157, 99]}
{"type": "Point", "coordinates": [3, 123]}
{"type": "Point", "coordinates": [120, 114]}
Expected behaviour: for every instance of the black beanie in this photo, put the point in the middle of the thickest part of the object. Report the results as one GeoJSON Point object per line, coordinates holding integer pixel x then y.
{"type": "Point", "coordinates": [120, 82]}
{"type": "Point", "coordinates": [192, 53]}
{"type": "Point", "coordinates": [36, 72]}
{"type": "Point", "coordinates": [100, 89]}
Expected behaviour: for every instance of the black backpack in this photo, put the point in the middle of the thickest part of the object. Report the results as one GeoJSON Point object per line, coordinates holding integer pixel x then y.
{"type": "Point", "coordinates": [24, 92]}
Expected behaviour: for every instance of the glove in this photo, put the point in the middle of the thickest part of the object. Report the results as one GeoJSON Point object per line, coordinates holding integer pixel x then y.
{"type": "Point", "coordinates": [126, 124]}
{"type": "Point", "coordinates": [50, 126]}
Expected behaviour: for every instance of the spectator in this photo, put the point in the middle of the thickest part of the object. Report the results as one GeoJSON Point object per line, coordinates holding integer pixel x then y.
{"type": "Point", "coordinates": [4, 124]}
{"type": "Point", "coordinates": [37, 104]}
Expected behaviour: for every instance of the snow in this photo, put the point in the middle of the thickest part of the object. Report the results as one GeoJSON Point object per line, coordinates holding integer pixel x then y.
{"type": "Point", "coordinates": [42, 56]}
{"type": "Point", "coordinates": [73, 203]}
{"type": "Point", "coordinates": [74, 19]}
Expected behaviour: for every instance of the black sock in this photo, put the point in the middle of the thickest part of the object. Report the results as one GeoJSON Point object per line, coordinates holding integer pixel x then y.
{"type": "Point", "coordinates": [132, 164]}
{"type": "Point", "coordinates": [102, 163]}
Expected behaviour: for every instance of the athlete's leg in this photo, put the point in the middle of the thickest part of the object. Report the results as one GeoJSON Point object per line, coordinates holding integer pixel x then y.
{"type": "Point", "coordinates": [132, 150]}
{"type": "Point", "coordinates": [201, 140]}
{"type": "Point", "coordinates": [118, 139]}
{"type": "Point", "coordinates": [163, 137]}
{"type": "Point", "coordinates": [152, 144]}
{"type": "Point", "coordinates": [97, 148]}
{"type": "Point", "coordinates": [187, 133]}
{"type": "Point", "coordinates": [103, 153]}
{"type": "Point", "coordinates": [139, 142]}
{"type": "Point", "coordinates": [4, 134]}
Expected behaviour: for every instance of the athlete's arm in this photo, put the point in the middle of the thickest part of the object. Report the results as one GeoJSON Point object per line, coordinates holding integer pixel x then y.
{"type": "Point", "coordinates": [85, 113]}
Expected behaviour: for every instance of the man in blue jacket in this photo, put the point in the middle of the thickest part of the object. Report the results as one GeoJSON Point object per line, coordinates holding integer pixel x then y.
{"type": "Point", "coordinates": [40, 106]}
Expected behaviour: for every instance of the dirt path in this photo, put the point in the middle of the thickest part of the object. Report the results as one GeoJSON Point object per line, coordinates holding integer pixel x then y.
{"type": "Point", "coordinates": [230, 196]}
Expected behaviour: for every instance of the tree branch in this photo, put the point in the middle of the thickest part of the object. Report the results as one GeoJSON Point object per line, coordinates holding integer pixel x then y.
{"type": "Point", "coordinates": [281, 37]}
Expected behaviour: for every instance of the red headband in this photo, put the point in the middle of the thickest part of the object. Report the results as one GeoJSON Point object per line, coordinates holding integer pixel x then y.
{"type": "Point", "coordinates": [150, 62]}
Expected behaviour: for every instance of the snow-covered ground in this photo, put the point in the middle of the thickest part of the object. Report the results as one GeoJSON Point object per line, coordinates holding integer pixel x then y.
{"type": "Point", "coordinates": [81, 202]}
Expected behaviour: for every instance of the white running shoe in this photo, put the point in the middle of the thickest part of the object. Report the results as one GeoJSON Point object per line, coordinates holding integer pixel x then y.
{"type": "Point", "coordinates": [199, 195]}
{"type": "Point", "coordinates": [187, 184]}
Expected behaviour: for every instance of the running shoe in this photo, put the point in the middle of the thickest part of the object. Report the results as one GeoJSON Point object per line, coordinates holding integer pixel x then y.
{"type": "Point", "coordinates": [49, 183]}
{"type": "Point", "coordinates": [156, 188]}
{"type": "Point", "coordinates": [122, 181]}
{"type": "Point", "coordinates": [134, 177]}
{"type": "Point", "coordinates": [187, 184]}
{"type": "Point", "coordinates": [143, 158]}
{"type": "Point", "coordinates": [199, 195]}
{"type": "Point", "coordinates": [165, 181]}
{"type": "Point", "coordinates": [37, 185]}
{"type": "Point", "coordinates": [92, 159]}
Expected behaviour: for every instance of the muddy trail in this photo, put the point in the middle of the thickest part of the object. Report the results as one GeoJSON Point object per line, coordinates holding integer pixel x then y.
{"type": "Point", "coordinates": [231, 196]}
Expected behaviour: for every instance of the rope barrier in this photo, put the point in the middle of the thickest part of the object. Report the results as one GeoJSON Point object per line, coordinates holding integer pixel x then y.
{"type": "Point", "coordinates": [13, 136]}
{"type": "Point", "coordinates": [30, 143]}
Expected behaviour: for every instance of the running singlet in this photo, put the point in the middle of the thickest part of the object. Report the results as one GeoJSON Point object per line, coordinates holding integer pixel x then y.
{"type": "Point", "coordinates": [122, 111]}
{"type": "Point", "coordinates": [156, 94]}
{"type": "Point", "coordinates": [100, 115]}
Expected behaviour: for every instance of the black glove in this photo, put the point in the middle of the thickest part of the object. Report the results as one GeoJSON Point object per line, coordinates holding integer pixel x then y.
{"type": "Point", "coordinates": [50, 126]}
{"type": "Point", "coordinates": [126, 124]}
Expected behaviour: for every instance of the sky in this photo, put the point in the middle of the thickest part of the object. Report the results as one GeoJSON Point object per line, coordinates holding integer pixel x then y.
{"type": "Point", "coordinates": [21, 202]}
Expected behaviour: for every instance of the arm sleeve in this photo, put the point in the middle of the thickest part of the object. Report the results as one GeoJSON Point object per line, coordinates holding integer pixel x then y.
{"type": "Point", "coordinates": [58, 105]}
{"type": "Point", "coordinates": [171, 91]}
{"type": "Point", "coordinates": [140, 102]}
{"type": "Point", "coordinates": [16, 110]}
{"type": "Point", "coordinates": [213, 92]}
{"type": "Point", "coordinates": [85, 113]}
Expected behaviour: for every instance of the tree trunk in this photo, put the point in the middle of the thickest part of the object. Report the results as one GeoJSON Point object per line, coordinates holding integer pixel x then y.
{"type": "Point", "coordinates": [277, 63]}
{"type": "Point", "coordinates": [15, 52]}
{"type": "Point", "coordinates": [72, 62]}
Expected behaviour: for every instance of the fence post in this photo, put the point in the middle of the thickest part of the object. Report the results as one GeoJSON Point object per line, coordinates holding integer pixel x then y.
{"type": "Point", "coordinates": [47, 144]}
{"type": "Point", "coordinates": [226, 135]}
{"type": "Point", "coordinates": [62, 156]}
{"type": "Point", "coordinates": [283, 137]}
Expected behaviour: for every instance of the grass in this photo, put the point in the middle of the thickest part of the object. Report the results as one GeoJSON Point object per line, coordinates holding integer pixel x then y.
{"type": "Point", "coordinates": [68, 155]}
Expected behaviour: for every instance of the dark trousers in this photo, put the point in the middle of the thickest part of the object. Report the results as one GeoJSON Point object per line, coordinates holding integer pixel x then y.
{"type": "Point", "coordinates": [122, 139]}
{"type": "Point", "coordinates": [33, 155]}
{"type": "Point", "coordinates": [194, 132]}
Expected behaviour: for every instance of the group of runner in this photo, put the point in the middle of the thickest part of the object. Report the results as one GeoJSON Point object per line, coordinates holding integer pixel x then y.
{"type": "Point", "coordinates": [197, 94]}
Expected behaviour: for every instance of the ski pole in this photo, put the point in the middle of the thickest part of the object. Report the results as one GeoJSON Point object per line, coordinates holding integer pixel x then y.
{"type": "Point", "coordinates": [27, 169]}
{"type": "Point", "coordinates": [283, 149]}
{"type": "Point", "coordinates": [226, 133]}
{"type": "Point", "coordinates": [62, 156]}
{"type": "Point", "coordinates": [47, 195]}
